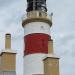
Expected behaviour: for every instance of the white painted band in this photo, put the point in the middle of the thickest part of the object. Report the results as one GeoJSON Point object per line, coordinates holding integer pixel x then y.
{"type": "Point", "coordinates": [33, 64]}
{"type": "Point", "coordinates": [36, 27]}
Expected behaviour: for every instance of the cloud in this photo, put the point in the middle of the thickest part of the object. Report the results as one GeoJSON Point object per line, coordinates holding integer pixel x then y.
{"type": "Point", "coordinates": [11, 16]}
{"type": "Point", "coordinates": [6, 3]}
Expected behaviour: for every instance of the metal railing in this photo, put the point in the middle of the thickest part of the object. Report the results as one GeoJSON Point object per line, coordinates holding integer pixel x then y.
{"type": "Point", "coordinates": [36, 14]}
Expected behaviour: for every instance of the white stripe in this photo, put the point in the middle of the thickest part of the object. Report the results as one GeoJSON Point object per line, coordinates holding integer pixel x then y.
{"type": "Point", "coordinates": [33, 64]}
{"type": "Point", "coordinates": [36, 27]}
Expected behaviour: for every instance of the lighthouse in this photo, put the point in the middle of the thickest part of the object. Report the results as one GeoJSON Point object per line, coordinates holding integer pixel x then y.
{"type": "Point", "coordinates": [38, 45]}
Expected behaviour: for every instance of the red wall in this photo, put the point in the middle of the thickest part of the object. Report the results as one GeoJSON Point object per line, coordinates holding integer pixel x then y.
{"type": "Point", "coordinates": [36, 43]}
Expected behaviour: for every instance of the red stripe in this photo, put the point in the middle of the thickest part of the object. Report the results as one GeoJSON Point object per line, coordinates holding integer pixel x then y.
{"type": "Point", "coordinates": [36, 43]}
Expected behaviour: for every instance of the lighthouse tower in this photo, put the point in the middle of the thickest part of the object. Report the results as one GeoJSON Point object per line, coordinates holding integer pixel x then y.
{"type": "Point", "coordinates": [37, 40]}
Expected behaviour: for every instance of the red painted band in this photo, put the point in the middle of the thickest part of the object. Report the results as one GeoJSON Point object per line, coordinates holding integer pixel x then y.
{"type": "Point", "coordinates": [36, 43]}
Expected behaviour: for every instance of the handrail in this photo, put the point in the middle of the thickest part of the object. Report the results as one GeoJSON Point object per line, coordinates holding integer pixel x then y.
{"type": "Point", "coordinates": [32, 15]}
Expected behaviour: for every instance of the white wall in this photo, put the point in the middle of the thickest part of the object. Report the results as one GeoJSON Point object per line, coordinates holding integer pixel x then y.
{"type": "Point", "coordinates": [33, 64]}
{"type": "Point", "coordinates": [36, 27]}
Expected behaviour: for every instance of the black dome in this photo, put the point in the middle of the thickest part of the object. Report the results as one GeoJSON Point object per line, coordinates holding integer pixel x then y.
{"type": "Point", "coordinates": [36, 5]}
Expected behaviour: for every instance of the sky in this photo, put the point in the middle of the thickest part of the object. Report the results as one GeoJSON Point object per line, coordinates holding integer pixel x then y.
{"type": "Point", "coordinates": [62, 31]}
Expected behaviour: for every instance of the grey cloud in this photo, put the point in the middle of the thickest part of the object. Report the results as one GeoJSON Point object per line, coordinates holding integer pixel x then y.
{"type": "Point", "coordinates": [67, 64]}
{"type": "Point", "coordinates": [11, 18]}
{"type": "Point", "coordinates": [18, 35]}
{"type": "Point", "coordinates": [5, 3]}
{"type": "Point", "coordinates": [67, 39]}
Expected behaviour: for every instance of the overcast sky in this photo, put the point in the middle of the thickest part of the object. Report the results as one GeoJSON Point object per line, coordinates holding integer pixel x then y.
{"type": "Point", "coordinates": [62, 31]}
